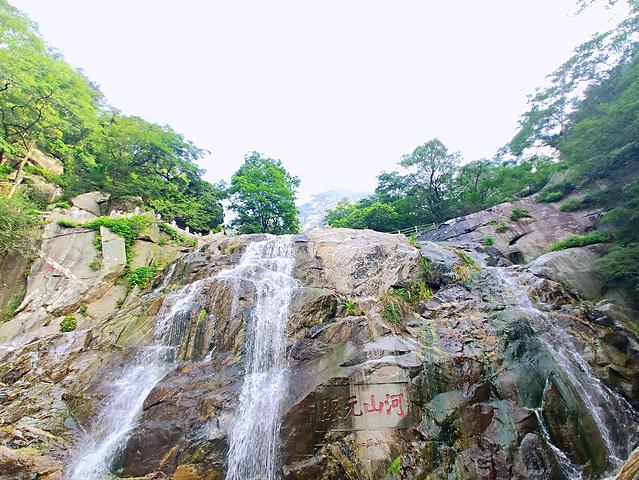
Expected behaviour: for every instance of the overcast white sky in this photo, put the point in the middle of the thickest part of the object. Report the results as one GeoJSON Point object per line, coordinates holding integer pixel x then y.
{"type": "Point", "coordinates": [337, 90]}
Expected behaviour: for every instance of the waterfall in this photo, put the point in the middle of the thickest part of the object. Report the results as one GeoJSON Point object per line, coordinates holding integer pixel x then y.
{"type": "Point", "coordinates": [570, 469]}
{"type": "Point", "coordinates": [254, 432]}
{"type": "Point", "coordinates": [613, 416]}
{"type": "Point", "coordinates": [113, 425]}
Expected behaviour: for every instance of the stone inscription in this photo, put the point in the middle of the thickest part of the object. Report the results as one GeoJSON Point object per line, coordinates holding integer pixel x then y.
{"type": "Point", "coordinates": [330, 408]}
{"type": "Point", "coordinates": [359, 407]}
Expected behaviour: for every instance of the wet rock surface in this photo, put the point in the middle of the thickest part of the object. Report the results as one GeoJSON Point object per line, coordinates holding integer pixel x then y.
{"type": "Point", "coordinates": [481, 380]}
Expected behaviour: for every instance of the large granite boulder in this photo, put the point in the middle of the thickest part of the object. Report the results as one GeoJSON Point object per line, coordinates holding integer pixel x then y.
{"type": "Point", "coordinates": [360, 264]}
{"type": "Point", "coordinates": [518, 241]}
{"type": "Point", "coordinates": [574, 268]}
{"type": "Point", "coordinates": [92, 202]}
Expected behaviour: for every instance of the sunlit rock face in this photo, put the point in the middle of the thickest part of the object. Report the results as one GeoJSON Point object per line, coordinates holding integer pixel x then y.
{"type": "Point", "coordinates": [515, 241]}
{"type": "Point", "coordinates": [503, 372]}
{"type": "Point", "coordinates": [75, 266]}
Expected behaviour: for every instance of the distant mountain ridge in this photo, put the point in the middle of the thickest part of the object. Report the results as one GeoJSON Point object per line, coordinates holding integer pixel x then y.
{"type": "Point", "coordinates": [311, 214]}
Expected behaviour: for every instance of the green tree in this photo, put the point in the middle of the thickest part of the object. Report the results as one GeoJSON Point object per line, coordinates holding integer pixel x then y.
{"type": "Point", "coordinates": [128, 156]}
{"type": "Point", "coordinates": [133, 155]}
{"type": "Point", "coordinates": [432, 168]}
{"type": "Point", "coordinates": [42, 99]}
{"type": "Point", "coordinates": [592, 63]}
{"type": "Point", "coordinates": [342, 210]}
{"type": "Point", "coordinates": [262, 194]}
{"type": "Point", "coordinates": [474, 183]}
{"type": "Point", "coordinates": [377, 216]}
{"type": "Point", "coordinates": [45, 104]}
{"type": "Point", "coordinates": [602, 135]}
{"type": "Point", "coordinates": [196, 206]}
{"type": "Point", "coordinates": [392, 187]}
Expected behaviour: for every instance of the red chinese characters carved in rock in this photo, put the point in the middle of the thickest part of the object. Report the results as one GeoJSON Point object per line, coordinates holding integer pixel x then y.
{"type": "Point", "coordinates": [392, 404]}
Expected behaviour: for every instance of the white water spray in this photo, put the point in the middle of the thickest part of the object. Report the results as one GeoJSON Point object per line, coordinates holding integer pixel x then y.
{"type": "Point", "coordinates": [114, 424]}
{"type": "Point", "coordinates": [255, 430]}
{"type": "Point", "coordinates": [612, 414]}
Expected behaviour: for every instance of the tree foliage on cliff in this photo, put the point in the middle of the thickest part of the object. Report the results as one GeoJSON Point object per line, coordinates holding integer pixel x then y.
{"type": "Point", "coordinates": [599, 147]}
{"type": "Point", "coordinates": [591, 64]}
{"type": "Point", "coordinates": [262, 194]}
{"type": "Point", "coordinates": [437, 187]}
{"type": "Point", "coordinates": [431, 168]}
{"type": "Point", "coordinates": [588, 114]}
{"type": "Point", "coordinates": [44, 103]}
{"type": "Point", "coordinates": [42, 99]}
{"type": "Point", "coordinates": [128, 156]}
{"type": "Point", "coordinates": [19, 225]}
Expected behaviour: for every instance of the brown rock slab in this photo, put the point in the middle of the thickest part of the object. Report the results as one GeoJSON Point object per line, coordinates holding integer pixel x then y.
{"type": "Point", "coordinates": [535, 459]}
{"type": "Point", "coordinates": [27, 464]}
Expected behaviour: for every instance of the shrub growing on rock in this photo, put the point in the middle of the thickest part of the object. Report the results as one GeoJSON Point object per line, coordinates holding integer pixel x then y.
{"type": "Point", "coordinates": [503, 226]}
{"type": "Point", "coordinates": [142, 276]}
{"type": "Point", "coordinates": [517, 213]}
{"type": "Point", "coordinates": [549, 197]}
{"type": "Point", "coordinates": [581, 241]}
{"type": "Point", "coordinates": [488, 240]}
{"type": "Point", "coordinates": [68, 324]}
{"type": "Point", "coordinates": [393, 310]}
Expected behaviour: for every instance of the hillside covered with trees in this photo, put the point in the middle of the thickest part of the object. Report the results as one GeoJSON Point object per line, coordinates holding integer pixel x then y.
{"type": "Point", "coordinates": [48, 106]}
{"type": "Point", "coordinates": [576, 145]}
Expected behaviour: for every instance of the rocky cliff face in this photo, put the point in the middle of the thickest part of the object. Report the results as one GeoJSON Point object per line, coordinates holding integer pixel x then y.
{"type": "Point", "coordinates": [80, 266]}
{"type": "Point", "coordinates": [478, 372]}
{"type": "Point", "coordinates": [516, 240]}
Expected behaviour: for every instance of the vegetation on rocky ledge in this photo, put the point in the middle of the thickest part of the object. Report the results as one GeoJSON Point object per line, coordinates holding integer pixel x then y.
{"type": "Point", "coordinates": [586, 119]}
{"type": "Point", "coordinates": [46, 105]}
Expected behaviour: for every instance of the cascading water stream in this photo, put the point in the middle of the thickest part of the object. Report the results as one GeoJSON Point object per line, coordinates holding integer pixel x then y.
{"type": "Point", "coordinates": [127, 393]}
{"type": "Point", "coordinates": [254, 432]}
{"type": "Point", "coordinates": [570, 469]}
{"type": "Point", "coordinates": [612, 414]}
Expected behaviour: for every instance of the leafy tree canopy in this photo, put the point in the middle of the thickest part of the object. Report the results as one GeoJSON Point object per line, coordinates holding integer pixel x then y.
{"type": "Point", "coordinates": [432, 168]}
{"type": "Point", "coordinates": [44, 103]}
{"type": "Point", "coordinates": [128, 156]}
{"type": "Point", "coordinates": [437, 187]}
{"type": "Point", "coordinates": [42, 99]}
{"type": "Point", "coordinates": [551, 106]}
{"type": "Point", "coordinates": [601, 137]}
{"type": "Point", "coordinates": [262, 194]}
